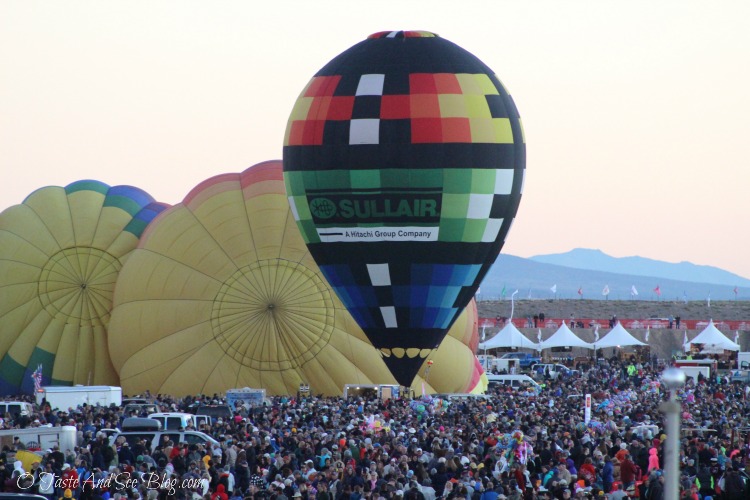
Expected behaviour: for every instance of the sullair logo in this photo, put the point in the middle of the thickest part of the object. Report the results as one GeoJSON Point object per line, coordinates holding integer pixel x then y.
{"type": "Point", "coordinates": [419, 207]}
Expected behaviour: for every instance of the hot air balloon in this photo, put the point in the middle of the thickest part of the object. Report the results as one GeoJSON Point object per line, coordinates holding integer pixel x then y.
{"type": "Point", "coordinates": [404, 160]}
{"type": "Point", "coordinates": [222, 293]}
{"type": "Point", "coordinates": [60, 253]}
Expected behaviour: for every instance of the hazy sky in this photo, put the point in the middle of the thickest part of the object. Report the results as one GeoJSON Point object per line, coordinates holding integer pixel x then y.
{"type": "Point", "coordinates": [636, 113]}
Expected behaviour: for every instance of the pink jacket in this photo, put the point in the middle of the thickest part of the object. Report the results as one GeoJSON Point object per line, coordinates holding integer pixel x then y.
{"type": "Point", "coordinates": [653, 460]}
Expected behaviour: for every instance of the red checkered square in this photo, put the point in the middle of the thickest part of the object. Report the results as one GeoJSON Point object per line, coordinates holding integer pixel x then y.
{"type": "Point", "coordinates": [319, 108]}
{"type": "Point", "coordinates": [447, 83]}
{"type": "Point", "coordinates": [341, 108]}
{"type": "Point", "coordinates": [425, 106]}
{"type": "Point", "coordinates": [422, 83]}
{"type": "Point", "coordinates": [295, 133]}
{"type": "Point", "coordinates": [426, 130]}
{"type": "Point", "coordinates": [456, 130]}
{"type": "Point", "coordinates": [395, 107]}
{"type": "Point", "coordinates": [322, 86]}
{"type": "Point", "coordinates": [312, 134]}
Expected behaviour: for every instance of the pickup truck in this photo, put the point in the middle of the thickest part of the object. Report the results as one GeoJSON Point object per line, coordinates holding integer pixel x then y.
{"type": "Point", "coordinates": [525, 360]}
{"type": "Point", "coordinates": [741, 376]}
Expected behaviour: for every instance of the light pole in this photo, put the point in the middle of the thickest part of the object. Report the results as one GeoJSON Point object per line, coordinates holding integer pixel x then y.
{"type": "Point", "coordinates": [673, 379]}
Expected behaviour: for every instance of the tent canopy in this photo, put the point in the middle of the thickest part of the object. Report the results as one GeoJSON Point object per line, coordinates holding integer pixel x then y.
{"type": "Point", "coordinates": [617, 336]}
{"type": "Point", "coordinates": [509, 336]}
{"type": "Point", "coordinates": [713, 338]}
{"type": "Point", "coordinates": [564, 337]}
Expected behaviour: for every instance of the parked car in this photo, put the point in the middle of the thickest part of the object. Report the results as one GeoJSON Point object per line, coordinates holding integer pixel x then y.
{"type": "Point", "coordinates": [554, 370]}
{"type": "Point", "coordinates": [515, 381]}
{"type": "Point", "coordinates": [155, 438]}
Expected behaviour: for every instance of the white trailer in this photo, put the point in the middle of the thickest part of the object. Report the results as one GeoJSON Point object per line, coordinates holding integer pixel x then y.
{"type": "Point", "coordinates": [41, 438]}
{"type": "Point", "coordinates": [65, 398]}
{"type": "Point", "coordinates": [382, 391]}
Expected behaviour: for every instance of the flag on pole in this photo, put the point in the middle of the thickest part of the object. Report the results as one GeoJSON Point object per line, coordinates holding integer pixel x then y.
{"type": "Point", "coordinates": [529, 296]}
{"type": "Point", "coordinates": [580, 291]}
{"type": "Point", "coordinates": [606, 290]}
{"type": "Point", "coordinates": [737, 337]}
{"type": "Point", "coordinates": [708, 299]}
{"type": "Point", "coordinates": [596, 333]}
{"type": "Point", "coordinates": [633, 291]}
{"type": "Point", "coordinates": [502, 294]}
{"type": "Point", "coordinates": [648, 332]}
{"type": "Point", "coordinates": [37, 377]}
{"type": "Point", "coordinates": [684, 297]}
{"type": "Point", "coordinates": [685, 339]}
{"type": "Point", "coordinates": [657, 291]}
{"type": "Point", "coordinates": [735, 292]}
{"type": "Point", "coordinates": [554, 288]}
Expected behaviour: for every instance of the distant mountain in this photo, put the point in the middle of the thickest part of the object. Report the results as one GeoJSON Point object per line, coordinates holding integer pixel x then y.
{"type": "Point", "coordinates": [537, 279]}
{"type": "Point", "coordinates": [596, 260]}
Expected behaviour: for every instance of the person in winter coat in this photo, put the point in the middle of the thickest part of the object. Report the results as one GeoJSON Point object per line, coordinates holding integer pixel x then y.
{"type": "Point", "coordinates": [219, 494]}
{"type": "Point", "coordinates": [653, 459]}
{"type": "Point", "coordinates": [734, 485]}
{"type": "Point", "coordinates": [607, 474]}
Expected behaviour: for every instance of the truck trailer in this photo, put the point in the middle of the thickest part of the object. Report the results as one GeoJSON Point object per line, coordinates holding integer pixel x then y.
{"type": "Point", "coordinates": [65, 398]}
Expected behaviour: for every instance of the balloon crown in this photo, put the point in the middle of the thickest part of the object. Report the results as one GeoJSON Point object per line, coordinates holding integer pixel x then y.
{"type": "Point", "coordinates": [403, 34]}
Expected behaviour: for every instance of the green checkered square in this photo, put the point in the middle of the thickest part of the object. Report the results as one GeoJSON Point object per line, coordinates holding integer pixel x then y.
{"type": "Point", "coordinates": [451, 230]}
{"type": "Point", "coordinates": [483, 181]}
{"type": "Point", "coordinates": [309, 233]}
{"type": "Point", "coordinates": [474, 230]}
{"type": "Point", "coordinates": [456, 180]}
{"type": "Point", "coordinates": [454, 206]}
{"type": "Point", "coordinates": [292, 183]}
{"type": "Point", "coordinates": [362, 179]}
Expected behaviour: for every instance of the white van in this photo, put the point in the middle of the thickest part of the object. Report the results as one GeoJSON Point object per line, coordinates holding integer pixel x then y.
{"type": "Point", "coordinates": [14, 408]}
{"type": "Point", "coordinates": [514, 381]}
{"type": "Point", "coordinates": [173, 421]}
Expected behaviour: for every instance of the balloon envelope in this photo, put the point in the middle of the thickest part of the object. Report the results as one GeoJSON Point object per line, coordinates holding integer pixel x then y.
{"type": "Point", "coordinates": [222, 293]}
{"type": "Point", "coordinates": [60, 253]}
{"type": "Point", "coordinates": [404, 160]}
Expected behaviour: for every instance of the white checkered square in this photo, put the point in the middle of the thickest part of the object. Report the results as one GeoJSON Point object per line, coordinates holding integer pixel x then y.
{"type": "Point", "coordinates": [491, 230]}
{"type": "Point", "coordinates": [503, 181]}
{"type": "Point", "coordinates": [389, 316]}
{"type": "Point", "coordinates": [293, 207]}
{"type": "Point", "coordinates": [479, 206]}
{"type": "Point", "coordinates": [380, 274]}
{"type": "Point", "coordinates": [364, 131]}
{"type": "Point", "coordinates": [370, 85]}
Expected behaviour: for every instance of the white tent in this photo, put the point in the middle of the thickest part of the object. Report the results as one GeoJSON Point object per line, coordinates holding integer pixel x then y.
{"type": "Point", "coordinates": [509, 336]}
{"type": "Point", "coordinates": [617, 337]}
{"type": "Point", "coordinates": [712, 338]}
{"type": "Point", "coordinates": [564, 337]}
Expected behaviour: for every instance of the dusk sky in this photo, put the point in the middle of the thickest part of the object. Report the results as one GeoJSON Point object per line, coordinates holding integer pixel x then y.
{"type": "Point", "coordinates": [635, 113]}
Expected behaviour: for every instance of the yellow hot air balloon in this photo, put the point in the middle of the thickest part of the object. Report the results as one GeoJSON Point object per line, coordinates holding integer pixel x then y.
{"type": "Point", "coordinates": [222, 293]}
{"type": "Point", "coordinates": [60, 252]}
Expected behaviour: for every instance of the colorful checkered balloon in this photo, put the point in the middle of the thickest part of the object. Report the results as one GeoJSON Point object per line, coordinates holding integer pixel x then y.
{"type": "Point", "coordinates": [404, 160]}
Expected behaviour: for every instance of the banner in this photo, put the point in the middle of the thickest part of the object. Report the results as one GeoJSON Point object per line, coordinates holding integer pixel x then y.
{"type": "Point", "coordinates": [587, 410]}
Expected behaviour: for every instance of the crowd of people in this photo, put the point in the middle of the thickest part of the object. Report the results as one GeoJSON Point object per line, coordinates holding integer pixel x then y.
{"type": "Point", "coordinates": [507, 445]}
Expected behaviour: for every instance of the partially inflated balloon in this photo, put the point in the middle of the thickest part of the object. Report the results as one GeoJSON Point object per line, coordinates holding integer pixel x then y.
{"type": "Point", "coordinates": [223, 293]}
{"type": "Point", "coordinates": [60, 253]}
{"type": "Point", "coordinates": [403, 161]}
